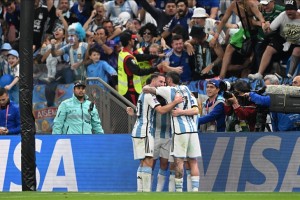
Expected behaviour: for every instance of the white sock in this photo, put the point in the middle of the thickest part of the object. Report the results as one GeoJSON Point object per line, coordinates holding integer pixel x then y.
{"type": "Point", "coordinates": [161, 179]}
{"type": "Point", "coordinates": [139, 180]}
{"type": "Point", "coordinates": [178, 184]}
{"type": "Point", "coordinates": [195, 183]}
{"type": "Point", "coordinates": [146, 178]}
{"type": "Point", "coordinates": [188, 180]}
{"type": "Point", "coordinates": [172, 181]}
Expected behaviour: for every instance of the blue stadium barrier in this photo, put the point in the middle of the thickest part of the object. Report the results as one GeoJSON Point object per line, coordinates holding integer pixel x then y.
{"type": "Point", "coordinates": [104, 163]}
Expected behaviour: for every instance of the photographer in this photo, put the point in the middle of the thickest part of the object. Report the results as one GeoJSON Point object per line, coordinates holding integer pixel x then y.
{"type": "Point", "coordinates": [280, 121]}
{"type": "Point", "coordinates": [242, 110]}
{"type": "Point", "coordinates": [213, 115]}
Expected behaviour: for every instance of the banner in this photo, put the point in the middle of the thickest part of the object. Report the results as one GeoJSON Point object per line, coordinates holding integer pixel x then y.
{"type": "Point", "coordinates": [104, 163]}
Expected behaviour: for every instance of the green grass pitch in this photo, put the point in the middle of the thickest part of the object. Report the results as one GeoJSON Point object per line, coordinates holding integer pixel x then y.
{"type": "Point", "coordinates": [148, 196]}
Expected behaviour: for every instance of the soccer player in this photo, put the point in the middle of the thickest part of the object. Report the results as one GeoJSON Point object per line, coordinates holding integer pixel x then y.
{"type": "Point", "coordinates": [185, 142]}
{"type": "Point", "coordinates": [143, 132]}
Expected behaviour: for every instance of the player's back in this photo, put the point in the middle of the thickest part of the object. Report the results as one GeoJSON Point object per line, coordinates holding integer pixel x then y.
{"type": "Point", "coordinates": [184, 123]}
{"type": "Point", "coordinates": [145, 114]}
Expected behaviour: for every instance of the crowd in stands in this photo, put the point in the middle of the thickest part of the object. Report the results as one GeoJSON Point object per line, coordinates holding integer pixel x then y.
{"type": "Point", "coordinates": [199, 39]}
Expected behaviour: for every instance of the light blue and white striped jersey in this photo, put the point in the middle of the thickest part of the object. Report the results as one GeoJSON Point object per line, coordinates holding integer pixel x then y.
{"type": "Point", "coordinates": [180, 124]}
{"type": "Point", "coordinates": [145, 115]}
{"type": "Point", "coordinates": [162, 122]}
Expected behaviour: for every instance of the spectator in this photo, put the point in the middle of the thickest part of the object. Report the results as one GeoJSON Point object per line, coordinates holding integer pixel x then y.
{"type": "Point", "coordinates": [81, 11]}
{"type": "Point", "coordinates": [134, 25]}
{"type": "Point", "coordinates": [238, 38]}
{"type": "Point", "coordinates": [40, 24]}
{"type": "Point", "coordinates": [113, 32]}
{"type": "Point", "coordinates": [178, 57]}
{"type": "Point", "coordinates": [144, 16]}
{"type": "Point", "coordinates": [286, 23]}
{"type": "Point", "coordinates": [3, 57]}
{"type": "Point", "coordinates": [205, 60]}
{"type": "Point", "coordinates": [9, 115]}
{"type": "Point", "coordinates": [161, 16]}
{"type": "Point", "coordinates": [201, 18]}
{"type": "Point", "coordinates": [108, 48]}
{"type": "Point", "coordinates": [55, 65]}
{"type": "Point", "coordinates": [182, 17]}
{"type": "Point", "coordinates": [12, 19]}
{"type": "Point", "coordinates": [96, 19]}
{"type": "Point", "coordinates": [148, 33]}
{"type": "Point", "coordinates": [242, 111]}
{"type": "Point", "coordinates": [77, 115]}
{"type": "Point", "coordinates": [13, 70]}
{"type": "Point", "coordinates": [76, 49]}
{"type": "Point", "coordinates": [213, 114]}
{"type": "Point", "coordinates": [270, 10]}
{"type": "Point", "coordinates": [101, 69]}
{"type": "Point", "coordinates": [116, 7]}
{"type": "Point", "coordinates": [64, 8]}
{"type": "Point", "coordinates": [129, 81]}
{"type": "Point", "coordinates": [211, 7]}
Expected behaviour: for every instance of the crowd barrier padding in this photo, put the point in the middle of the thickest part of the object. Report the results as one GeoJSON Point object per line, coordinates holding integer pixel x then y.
{"type": "Point", "coordinates": [104, 163]}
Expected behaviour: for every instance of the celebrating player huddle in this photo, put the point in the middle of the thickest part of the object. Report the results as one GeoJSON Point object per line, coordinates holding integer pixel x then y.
{"type": "Point", "coordinates": [155, 123]}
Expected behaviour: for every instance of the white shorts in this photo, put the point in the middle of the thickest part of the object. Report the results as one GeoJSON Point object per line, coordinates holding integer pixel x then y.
{"type": "Point", "coordinates": [143, 147]}
{"type": "Point", "coordinates": [161, 148]}
{"type": "Point", "coordinates": [185, 146]}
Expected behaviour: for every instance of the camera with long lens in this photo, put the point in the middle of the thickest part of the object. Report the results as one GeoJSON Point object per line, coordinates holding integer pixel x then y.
{"type": "Point", "coordinates": [226, 87]}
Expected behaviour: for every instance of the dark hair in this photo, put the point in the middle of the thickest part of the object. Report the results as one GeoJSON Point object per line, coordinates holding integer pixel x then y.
{"type": "Point", "coordinates": [149, 26]}
{"type": "Point", "coordinates": [125, 37]}
{"type": "Point", "coordinates": [170, 1]}
{"type": "Point", "coordinates": [153, 76]}
{"type": "Point", "coordinates": [105, 30]}
{"type": "Point", "coordinates": [3, 91]}
{"type": "Point", "coordinates": [179, 30]}
{"type": "Point", "coordinates": [94, 49]}
{"type": "Point", "coordinates": [174, 76]}
{"type": "Point", "coordinates": [184, 1]}
{"type": "Point", "coordinates": [242, 86]}
{"type": "Point", "coordinates": [107, 21]}
{"type": "Point", "coordinates": [176, 37]}
{"type": "Point", "coordinates": [8, 2]}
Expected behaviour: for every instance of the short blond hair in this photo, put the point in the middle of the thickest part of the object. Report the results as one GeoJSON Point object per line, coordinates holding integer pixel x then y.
{"type": "Point", "coordinates": [99, 5]}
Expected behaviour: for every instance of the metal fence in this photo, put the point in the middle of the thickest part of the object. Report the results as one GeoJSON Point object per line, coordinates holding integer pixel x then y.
{"type": "Point", "coordinates": [111, 107]}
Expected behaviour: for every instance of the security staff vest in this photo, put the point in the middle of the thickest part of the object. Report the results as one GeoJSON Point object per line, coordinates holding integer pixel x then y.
{"type": "Point", "coordinates": [143, 65]}
{"type": "Point", "coordinates": [123, 78]}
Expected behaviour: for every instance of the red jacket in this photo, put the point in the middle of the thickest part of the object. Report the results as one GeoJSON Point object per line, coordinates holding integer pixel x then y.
{"type": "Point", "coordinates": [247, 113]}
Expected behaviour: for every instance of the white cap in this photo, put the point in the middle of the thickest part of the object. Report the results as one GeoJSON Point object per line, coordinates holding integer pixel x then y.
{"type": "Point", "coordinates": [6, 46]}
{"type": "Point", "coordinates": [124, 17]}
{"type": "Point", "coordinates": [265, 2]}
{"type": "Point", "coordinates": [199, 13]}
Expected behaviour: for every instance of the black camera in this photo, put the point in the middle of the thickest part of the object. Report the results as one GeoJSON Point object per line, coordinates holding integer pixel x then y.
{"type": "Point", "coordinates": [227, 95]}
{"type": "Point", "coordinates": [226, 87]}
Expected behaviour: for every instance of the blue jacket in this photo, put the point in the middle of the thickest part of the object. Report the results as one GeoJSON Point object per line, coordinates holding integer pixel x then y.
{"type": "Point", "coordinates": [217, 114]}
{"type": "Point", "coordinates": [13, 118]}
{"type": "Point", "coordinates": [102, 70]}
{"type": "Point", "coordinates": [280, 121]}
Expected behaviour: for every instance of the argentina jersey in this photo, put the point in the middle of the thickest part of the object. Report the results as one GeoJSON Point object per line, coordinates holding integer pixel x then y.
{"type": "Point", "coordinates": [180, 124]}
{"type": "Point", "coordinates": [145, 114]}
{"type": "Point", "coordinates": [162, 122]}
